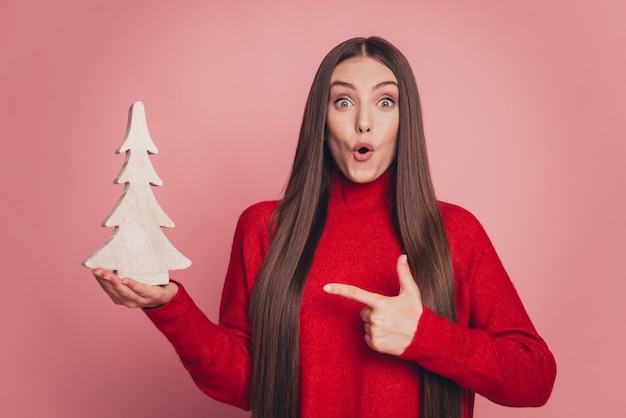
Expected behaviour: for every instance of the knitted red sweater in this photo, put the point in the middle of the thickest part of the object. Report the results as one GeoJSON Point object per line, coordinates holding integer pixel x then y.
{"type": "Point", "coordinates": [493, 349]}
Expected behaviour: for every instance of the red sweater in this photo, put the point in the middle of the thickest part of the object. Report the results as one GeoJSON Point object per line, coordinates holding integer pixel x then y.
{"type": "Point", "coordinates": [493, 349]}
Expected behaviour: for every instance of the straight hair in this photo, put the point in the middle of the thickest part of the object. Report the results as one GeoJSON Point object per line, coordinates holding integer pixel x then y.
{"type": "Point", "coordinates": [297, 225]}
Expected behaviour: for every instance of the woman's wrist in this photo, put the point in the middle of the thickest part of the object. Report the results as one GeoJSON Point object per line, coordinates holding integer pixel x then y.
{"type": "Point", "coordinates": [169, 291]}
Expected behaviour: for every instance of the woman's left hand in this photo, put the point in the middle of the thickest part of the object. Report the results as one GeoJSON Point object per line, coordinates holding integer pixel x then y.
{"type": "Point", "coordinates": [390, 321]}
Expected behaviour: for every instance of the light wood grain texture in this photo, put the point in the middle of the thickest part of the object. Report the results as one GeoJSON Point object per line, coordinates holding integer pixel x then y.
{"type": "Point", "coordinates": [138, 247]}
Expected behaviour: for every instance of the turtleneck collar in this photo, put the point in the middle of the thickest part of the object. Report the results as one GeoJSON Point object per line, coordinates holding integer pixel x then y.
{"type": "Point", "coordinates": [362, 196]}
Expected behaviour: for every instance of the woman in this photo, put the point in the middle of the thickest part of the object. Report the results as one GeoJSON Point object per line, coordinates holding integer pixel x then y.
{"type": "Point", "coordinates": [321, 315]}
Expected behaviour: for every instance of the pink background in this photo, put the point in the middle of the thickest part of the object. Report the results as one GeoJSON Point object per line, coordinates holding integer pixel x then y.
{"type": "Point", "coordinates": [524, 105]}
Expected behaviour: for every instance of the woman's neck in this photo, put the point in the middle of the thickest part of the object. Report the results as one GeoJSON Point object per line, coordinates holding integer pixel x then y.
{"type": "Point", "coordinates": [362, 196]}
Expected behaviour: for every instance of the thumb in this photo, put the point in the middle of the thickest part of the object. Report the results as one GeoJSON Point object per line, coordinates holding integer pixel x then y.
{"type": "Point", "coordinates": [407, 283]}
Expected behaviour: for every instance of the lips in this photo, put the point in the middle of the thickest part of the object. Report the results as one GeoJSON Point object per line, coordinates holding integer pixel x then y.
{"type": "Point", "coordinates": [362, 152]}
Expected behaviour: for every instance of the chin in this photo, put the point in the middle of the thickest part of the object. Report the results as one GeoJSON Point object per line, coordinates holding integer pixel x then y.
{"type": "Point", "coordinates": [362, 177]}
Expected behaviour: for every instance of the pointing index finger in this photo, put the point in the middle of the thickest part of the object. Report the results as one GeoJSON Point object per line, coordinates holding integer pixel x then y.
{"type": "Point", "coordinates": [352, 292]}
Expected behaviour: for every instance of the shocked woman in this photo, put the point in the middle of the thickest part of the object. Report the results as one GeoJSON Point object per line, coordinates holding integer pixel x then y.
{"type": "Point", "coordinates": [358, 294]}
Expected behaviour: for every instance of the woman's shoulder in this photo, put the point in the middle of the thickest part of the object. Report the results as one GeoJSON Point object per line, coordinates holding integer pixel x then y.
{"type": "Point", "coordinates": [253, 226]}
{"type": "Point", "coordinates": [455, 214]}
{"type": "Point", "coordinates": [461, 223]}
{"type": "Point", "coordinates": [258, 214]}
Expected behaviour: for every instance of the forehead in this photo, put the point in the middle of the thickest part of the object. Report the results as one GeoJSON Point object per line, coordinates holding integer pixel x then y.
{"type": "Point", "coordinates": [362, 71]}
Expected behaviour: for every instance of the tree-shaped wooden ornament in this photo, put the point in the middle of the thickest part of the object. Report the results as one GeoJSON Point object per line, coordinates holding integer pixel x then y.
{"type": "Point", "coordinates": [138, 247]}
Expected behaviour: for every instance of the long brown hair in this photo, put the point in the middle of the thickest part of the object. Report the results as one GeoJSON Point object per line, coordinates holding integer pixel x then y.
{"type": "Point", "coordinates": [297, 226]}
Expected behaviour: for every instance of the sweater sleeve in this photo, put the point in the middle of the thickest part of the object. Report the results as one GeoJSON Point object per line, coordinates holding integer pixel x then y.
{"type": "Point", "coordinates": [217, 356]}
{"type": "Point", "coordinates": [493, 349]}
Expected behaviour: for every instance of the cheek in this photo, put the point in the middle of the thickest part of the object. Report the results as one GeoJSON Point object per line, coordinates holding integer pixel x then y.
{"type": "Point", "coordinates": [331, 126]}
{"type": "Point", "coordinates": [334, 135]}
{"type": "Point", "coordinates": [333, 147]}
{"type": "Point", "coordinates": [339, 124]}
{"type": "Point", "coordinates": [392, 133]}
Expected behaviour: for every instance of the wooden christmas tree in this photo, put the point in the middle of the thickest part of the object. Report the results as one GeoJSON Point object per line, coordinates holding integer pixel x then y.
{"type": "Point", "coordinates": [138, 247]}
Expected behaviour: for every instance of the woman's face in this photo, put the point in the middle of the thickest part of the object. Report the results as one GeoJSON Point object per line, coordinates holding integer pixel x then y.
{"type": "Point", "coordinates": [363, 117]}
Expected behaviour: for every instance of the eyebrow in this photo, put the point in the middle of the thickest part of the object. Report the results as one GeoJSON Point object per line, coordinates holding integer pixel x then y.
{"type": "Point", "coordinates": [351, 86]}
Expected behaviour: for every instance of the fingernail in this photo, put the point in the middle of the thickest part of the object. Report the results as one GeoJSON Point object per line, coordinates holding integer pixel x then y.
{"type": "Point", "coordinates": [403, 259]}
{"type": "Point", "coordinates": [328, 288]}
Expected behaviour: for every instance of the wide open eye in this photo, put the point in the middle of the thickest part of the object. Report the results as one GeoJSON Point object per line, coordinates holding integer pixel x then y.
{"type": "Point", "coordinates": [387, 103]}
{"type": "Point", "coordinates": [343, 103]}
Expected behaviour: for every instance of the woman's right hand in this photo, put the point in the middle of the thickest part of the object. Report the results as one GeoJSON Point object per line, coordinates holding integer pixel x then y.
{"type": "Point", "coordinates": [133, 294]}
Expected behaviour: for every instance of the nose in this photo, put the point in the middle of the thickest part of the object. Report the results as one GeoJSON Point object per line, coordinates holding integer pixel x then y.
{"type": "Point", "coordinates": [363, 121]}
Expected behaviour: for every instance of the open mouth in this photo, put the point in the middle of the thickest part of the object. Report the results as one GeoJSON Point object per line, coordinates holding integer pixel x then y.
{"type": "Point", "coordinates": [363, 148]}
{"type": "Point", "coordinates": [363, 152]}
